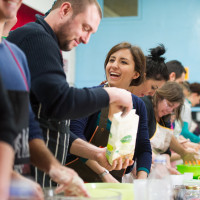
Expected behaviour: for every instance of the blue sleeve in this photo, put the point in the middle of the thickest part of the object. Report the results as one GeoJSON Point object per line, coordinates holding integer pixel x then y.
{"type": "Point", "coordinates": [78, 127]}
{"type": "Point", "coordinates": [143, 152]}
{"type": "Point", "coordinates": [189, 135]}
{"type": "Point", "coordinates": [72, 138]}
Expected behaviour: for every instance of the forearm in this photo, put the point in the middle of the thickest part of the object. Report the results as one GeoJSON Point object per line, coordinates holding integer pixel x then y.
{"type": "Point", "coordinates": [6, 163]}
{"type": "Point", "coordinates": [93, 165]}
{"type": "Point", "coordinates": [177, 147]}
{"type": "Point", "coordinates": [84, 149]}
{"type": "Point", "coordinates": [98, 169]}
{"type": "Point", "coordinates": [175, 157]}
{"type": "Point", "coordinates": [189, 135]}
{"type": "Point", "coordinates": [41, 156]}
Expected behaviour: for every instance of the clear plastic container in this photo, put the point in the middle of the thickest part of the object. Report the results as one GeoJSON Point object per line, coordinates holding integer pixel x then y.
{"type": "Point", "coordinates": [96, 194]}
{"type": "Point", "coordinates": [159, 184]}
{"type": "Point", "coordinates": [20, 190]}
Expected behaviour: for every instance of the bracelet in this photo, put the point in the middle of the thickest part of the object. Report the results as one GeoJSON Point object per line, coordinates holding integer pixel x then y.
{"type": "Point", "coordinates": [104, 173]}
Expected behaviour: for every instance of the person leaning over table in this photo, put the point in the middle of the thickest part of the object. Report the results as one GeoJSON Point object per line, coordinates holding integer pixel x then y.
{"type": "Point", "coordinates": [186, 114]}
{"type": "Point", "coordinates": [156, 74]}
{"type": "Point", "coordinates": [124, 66]}
{"type": "Point", "coordinates": [69, 23]}
{"type": "Point", "coordinates": [186, 143]}
{"type": "Point", "coordinates": [16, 79]}
{"type": "Point", "coordinates": [7, 135]}
{"type": "Point", "coordinates": [177, 73]}
{"type": "Point", "coordinates": [167, 100]}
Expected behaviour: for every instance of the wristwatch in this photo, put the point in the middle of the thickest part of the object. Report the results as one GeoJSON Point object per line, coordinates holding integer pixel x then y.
{"type": "Point", "coordinates": [104, 173]}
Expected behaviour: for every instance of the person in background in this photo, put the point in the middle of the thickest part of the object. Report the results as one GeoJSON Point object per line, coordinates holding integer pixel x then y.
{"type": "Point", "coordinates": [124, 66]}
{"type": "Point", "coordinates": [186, 143]}
{"type": "Point", "coordinates": [157, 73]}
{"type": "Point", "coordinates": [155, 76]}
{"type": "Point", "coordinates": [176, 71]}
{"type": "Point", "coordinates": [168, 99]}
{"type": "Point", "coordinates": [186, 114]}
{"type": "Point", "coordinates": [69, 23]}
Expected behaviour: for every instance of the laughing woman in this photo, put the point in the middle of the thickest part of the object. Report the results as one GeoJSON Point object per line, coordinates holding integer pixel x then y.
{"type": "Point", "coordinates": [124, 67]}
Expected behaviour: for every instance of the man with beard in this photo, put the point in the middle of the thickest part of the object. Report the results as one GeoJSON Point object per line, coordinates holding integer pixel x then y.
{"type": "Point", "coordinates": [69, 23]}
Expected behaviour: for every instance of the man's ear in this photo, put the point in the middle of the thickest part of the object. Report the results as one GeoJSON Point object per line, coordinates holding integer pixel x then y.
{"type": "Point", "coordinates": [172, 76]}
{"type": "Point", "coordinates": [65, 9]}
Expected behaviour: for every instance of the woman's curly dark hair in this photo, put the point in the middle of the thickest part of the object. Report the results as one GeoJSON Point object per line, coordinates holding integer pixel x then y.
{"type": "Point", "coordinates": [156, 68]}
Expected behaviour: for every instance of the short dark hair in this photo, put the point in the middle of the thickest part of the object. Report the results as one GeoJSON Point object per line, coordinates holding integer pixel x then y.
{"type": "Point", "coordinates": [138, 58]}
{"type": "Point", "coordinates": [176, 67]}
{"type": "Point", "coordinates": [78, 6]}
{"type": "Point", "coordinates": [195, 88]}
{"type": "Point", "coordinates": [156, 68]}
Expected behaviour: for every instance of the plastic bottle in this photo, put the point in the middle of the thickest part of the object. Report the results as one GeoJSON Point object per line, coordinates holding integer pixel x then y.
{"type": "Point", "coordinates": [159, 185]}
{"type": "Point", "coordinates": [20, 190]}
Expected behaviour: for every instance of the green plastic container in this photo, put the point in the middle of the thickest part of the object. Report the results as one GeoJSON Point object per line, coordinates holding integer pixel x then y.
{"type": "Point", "coordinates": [195, 169]}
{"type": "Point", "coordinates": [126, 189]}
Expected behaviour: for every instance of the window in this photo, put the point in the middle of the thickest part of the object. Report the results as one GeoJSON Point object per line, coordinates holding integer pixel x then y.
{"type": "Point", "coordinates": [120, 8]}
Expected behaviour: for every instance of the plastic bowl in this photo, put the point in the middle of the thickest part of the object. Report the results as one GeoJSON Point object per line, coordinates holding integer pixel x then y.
{"type": "Point", "coordinates": [195, 169]}
{"type": "Point", "coordinates": [126, 189]}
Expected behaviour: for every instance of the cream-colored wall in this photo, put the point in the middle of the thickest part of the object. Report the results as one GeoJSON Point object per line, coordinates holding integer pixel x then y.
{"type": "Point", "coordinates": [40, 5]}
{"type": "Point", "coordinates": [43, 6]}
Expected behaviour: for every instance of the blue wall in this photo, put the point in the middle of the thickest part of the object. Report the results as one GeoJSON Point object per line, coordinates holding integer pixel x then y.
{"type": "Point", "coordinates": [175, 23]}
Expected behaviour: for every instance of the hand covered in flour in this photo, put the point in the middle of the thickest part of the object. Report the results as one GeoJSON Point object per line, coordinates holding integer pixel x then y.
{"type": "Point", "coordinates": [69, 181]}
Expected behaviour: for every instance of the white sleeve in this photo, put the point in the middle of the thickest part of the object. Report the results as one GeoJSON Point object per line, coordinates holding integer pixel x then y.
{"type": "Point", "coordinates": [186, 113]}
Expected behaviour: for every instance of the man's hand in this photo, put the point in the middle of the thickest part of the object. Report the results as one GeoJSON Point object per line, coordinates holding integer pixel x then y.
{"type": "Point", "coordinates": [121, 98]}
{"type": "Point", "coordinates": [70, 183]}
{"type": "Point", "coordinates": [117, 164]}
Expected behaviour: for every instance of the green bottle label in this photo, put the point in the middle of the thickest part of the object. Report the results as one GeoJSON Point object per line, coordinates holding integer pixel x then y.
{"type": "Point", "coordinates": [126, 139]}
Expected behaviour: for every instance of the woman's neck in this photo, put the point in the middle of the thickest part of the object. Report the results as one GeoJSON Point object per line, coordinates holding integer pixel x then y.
{"type": "Point", "coordinates": [134, 90]}
{"type": "Point", "coordinates": [1, 29]}
{"type": "Point", "coordinates": [156, 115]}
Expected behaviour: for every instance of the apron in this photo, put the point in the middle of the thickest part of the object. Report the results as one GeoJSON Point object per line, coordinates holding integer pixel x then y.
{"type": "Point", "coordinates": [161, 139]}
{"type": "Point", "coordinates": [99, 139]}
{"type": "Point", "coordinates": [56, 137]}
{"type": "Point", "coordinates": [20, 105]}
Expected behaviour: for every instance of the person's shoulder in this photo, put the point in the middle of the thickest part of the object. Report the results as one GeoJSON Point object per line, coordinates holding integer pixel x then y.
{"type": "Point", "coordinates": [16, 50]}
{"type": "Point", "coordinates": [28, 31]}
